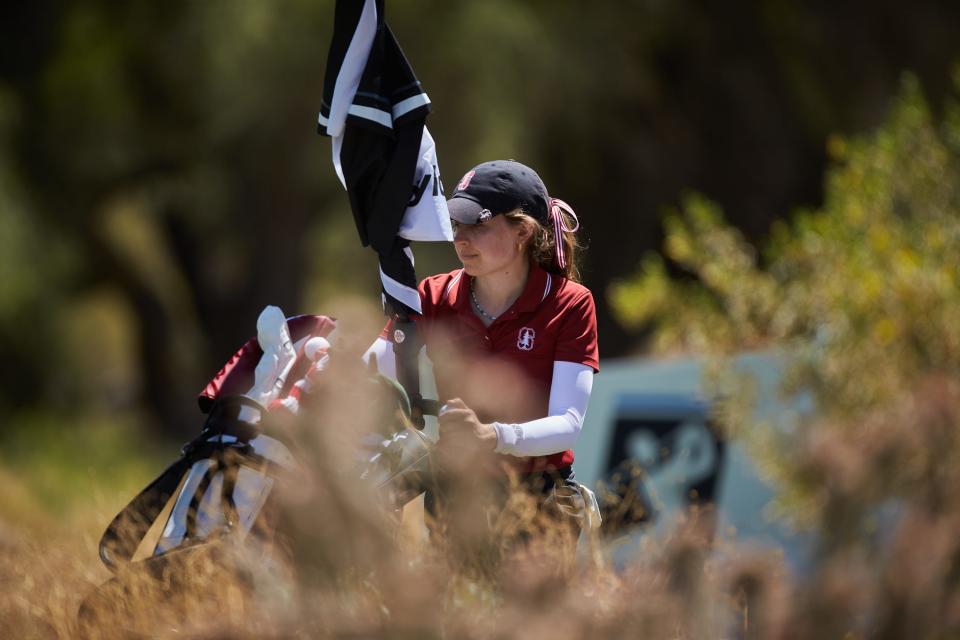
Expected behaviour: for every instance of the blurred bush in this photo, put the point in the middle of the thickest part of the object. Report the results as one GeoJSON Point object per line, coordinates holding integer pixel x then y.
{"type": "Point", "coordinates": [160, 183]}
{"type": "Point", "coordinates": [161, 160]}
{"type": "Point", "coordinates": [862, 298]}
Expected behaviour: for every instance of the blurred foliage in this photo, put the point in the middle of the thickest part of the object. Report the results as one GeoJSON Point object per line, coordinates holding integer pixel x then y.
{"type": "Point", "coordinates": [159, 161]}
{"type": "Point", "coordinates": [861, 299]}
{"type": "Point", "coordinates": [866, 283]}
{"type": "Point", "coordinates": [861, 295]}
{"type": "Point", "coordinates": [56, 479]}
{"type": "Point", "coordinates": [160, 182]}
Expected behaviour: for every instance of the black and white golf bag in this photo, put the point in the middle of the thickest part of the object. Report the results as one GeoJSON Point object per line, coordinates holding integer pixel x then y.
{"type": "Point", "coordinates": [223, 482]}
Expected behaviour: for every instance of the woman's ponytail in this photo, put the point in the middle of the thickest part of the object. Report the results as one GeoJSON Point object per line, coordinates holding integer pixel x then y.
{"type": "Point", "coordinates": [554, 246]}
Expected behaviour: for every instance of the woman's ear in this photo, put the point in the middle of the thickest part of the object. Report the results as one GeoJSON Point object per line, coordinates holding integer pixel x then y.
{"type": "Point", "coordinates": [524, 231]}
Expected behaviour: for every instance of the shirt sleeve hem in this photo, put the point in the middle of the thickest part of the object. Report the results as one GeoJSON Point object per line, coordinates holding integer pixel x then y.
{"type": "Point", "coordinates": [593, 363]}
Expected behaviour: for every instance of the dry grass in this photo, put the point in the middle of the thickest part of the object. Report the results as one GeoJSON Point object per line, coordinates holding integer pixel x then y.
{"type": "Point", "coordinates": [346, 569]}
{"type": "Point", "coordinates": [345, 574]}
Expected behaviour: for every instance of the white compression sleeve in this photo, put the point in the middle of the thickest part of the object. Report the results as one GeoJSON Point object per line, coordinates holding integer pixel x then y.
{"type": "Point", "coordinates": [386, 361]}
{"type": "Point", "coordinates": [569, 395]}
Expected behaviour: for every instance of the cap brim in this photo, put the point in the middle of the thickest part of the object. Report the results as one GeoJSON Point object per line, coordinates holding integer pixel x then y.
{"type": "Point", "coordinates": [464, 210]}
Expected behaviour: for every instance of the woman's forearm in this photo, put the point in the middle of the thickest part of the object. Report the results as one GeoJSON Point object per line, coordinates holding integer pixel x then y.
{"type": "Point", "coordinates": [558, 431]}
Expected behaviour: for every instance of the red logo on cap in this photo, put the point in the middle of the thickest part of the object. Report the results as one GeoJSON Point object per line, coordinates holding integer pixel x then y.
{"type": "Point", "coordinates": [465, 181]}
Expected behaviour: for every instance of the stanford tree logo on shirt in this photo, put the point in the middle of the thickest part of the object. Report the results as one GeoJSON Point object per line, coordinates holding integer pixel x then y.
{"type": "Point", "coordinates": [525, 339]}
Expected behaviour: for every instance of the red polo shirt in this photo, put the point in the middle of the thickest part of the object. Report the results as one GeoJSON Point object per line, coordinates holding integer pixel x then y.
{"type": "Point", "coordinates": [504, 371]}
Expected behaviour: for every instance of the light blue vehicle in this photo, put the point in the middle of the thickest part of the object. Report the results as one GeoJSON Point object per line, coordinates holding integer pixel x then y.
{"type": "Point", "coordinates": [649, 423]}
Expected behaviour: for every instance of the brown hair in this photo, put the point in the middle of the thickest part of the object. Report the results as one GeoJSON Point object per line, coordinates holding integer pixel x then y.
{"type": "Point", "coordinates": [542, 250]}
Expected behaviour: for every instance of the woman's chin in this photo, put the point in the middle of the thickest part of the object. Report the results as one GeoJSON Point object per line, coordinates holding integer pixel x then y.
{"type": "Point", "coordinates": [471, 266]}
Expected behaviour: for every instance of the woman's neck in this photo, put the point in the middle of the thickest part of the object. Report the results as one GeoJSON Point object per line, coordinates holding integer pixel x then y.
{"type": "Point", "coordinates": [498, 290]}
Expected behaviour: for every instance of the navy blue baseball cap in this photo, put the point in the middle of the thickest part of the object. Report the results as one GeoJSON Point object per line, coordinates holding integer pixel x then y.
{"type": "Point", "coordinates": [496, 187]}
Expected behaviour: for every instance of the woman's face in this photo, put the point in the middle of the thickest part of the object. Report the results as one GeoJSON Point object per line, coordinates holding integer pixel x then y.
{"type": "Point", "coordinates": [488, 247]}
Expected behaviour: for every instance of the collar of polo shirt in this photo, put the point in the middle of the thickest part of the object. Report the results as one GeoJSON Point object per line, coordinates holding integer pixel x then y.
{"type": "Point", "coordinates": [538, 286]}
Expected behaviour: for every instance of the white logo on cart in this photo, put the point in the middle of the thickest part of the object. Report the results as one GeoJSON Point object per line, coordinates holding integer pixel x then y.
{"type": "Point", "coordinates": [525, 339]}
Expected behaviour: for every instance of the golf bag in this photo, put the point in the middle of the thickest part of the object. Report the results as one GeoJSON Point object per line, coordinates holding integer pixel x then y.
{"type": "Point", "coordinates": [223, 480]}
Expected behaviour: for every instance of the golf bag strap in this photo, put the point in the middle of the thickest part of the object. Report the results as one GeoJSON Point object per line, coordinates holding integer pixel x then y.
{"type": "Point", "coordinates": [430, 407]}
{"type": "Point", "coordinates": [406, 348]}
{"type": "Point", "coordinates": [123, 536]}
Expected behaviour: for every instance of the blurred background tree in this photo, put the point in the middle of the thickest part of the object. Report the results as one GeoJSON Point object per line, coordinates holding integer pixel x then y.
{"type": "Point", "coordinates": [861, 296]}
{"type": "Point", "coordinates": [161, 182]}
{"type": "Point", "coordinates": [861, 299]}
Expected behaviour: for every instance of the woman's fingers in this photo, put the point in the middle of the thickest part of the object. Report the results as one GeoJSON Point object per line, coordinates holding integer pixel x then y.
{"type": "Point", "coordinates": [454, 408]}
{"type": "Point", "coordinates": [453, 403]}
{"type": "Point", "coordinates": [451, 416]}
{"type": "Point", "coordinates": [457, 412]}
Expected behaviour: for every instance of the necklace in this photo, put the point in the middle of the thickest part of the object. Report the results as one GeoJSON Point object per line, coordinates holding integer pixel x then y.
{"type": "Point", "coordinates": [473, 294]}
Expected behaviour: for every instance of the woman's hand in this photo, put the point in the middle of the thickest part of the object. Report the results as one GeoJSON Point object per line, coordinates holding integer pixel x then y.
{"type": "Point", "coordinates": [460, 428]}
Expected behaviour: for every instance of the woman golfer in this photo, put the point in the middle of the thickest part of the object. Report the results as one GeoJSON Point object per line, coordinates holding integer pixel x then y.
{"type": "Point", "coordinates": [512, 335]}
